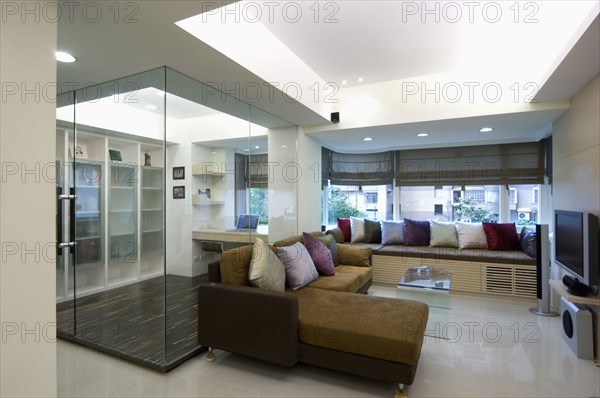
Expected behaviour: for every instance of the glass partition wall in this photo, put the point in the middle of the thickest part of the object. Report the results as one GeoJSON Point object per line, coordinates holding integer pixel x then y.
{"type": "Point", "coordinates": [157, 175]}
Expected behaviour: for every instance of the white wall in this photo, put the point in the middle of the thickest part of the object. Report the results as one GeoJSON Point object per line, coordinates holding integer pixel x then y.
{"type": "Point", "coordinates": [576, 159]}
{"type": "Point", "coordinates": [27, 208]}
{"type": "Point", "coordinates": [309, 186]}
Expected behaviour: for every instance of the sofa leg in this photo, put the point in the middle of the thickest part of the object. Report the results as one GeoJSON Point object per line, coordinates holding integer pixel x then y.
{"type": "Point", "coordinates": [400, 391]}
{"type": "Point", "coordinates": [210, 355]}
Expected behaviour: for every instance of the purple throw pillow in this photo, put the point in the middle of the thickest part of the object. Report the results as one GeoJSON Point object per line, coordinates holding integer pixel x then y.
{"type": "Point", "coordinates": [299, 267]}
{"type": "Point", "coordinates": [320, 254]}
{"type": "Point", "coordinates": [416, 233]}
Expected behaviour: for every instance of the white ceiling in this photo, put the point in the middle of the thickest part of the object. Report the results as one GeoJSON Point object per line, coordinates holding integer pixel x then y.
{"type": "Point", "coordinates": [368, 39]}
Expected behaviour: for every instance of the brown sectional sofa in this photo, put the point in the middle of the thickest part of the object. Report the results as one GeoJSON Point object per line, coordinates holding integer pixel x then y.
{"type": "Point", "coordinates": [328, 323]}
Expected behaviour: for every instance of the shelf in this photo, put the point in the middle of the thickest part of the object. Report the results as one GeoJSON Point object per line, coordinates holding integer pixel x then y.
{"type": "Point", "coordinates": [156, 209]}
{"type": "Point", "coordinates": [121, 187]}
{"type": "Point", "coordinates": [201, 200]}
{"type": "Point", "coordinates": [562, 290]}
{"type": "Point", "coordinates": [201, 170]}
{"type": "Point", "coordinates": [122, 234]}
{"type": "Point", "coordinates": [121, 211]}
{"type": "Point", "coordinates": [152, 188]}
{"type": "Point", "coordinates": [147, 231]}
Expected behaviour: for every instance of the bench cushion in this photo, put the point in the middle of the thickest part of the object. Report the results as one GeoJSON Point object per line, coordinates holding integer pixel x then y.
{"type": "Point", "coordinates": [376, 327]}
{"type": "Point", "coordinates": [449, 253]}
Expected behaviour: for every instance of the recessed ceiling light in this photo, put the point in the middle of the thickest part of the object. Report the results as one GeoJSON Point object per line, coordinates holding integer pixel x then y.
{"type": "Point", "coordinates": [246, 150]}
{"type": "Point", "coordinates": [486, 129]}
{"type": "Point", "coordinates": [344, 81]}
{"type": "Point", "coordinates": [256, 147]}
{"type": "Point", "coordinates": [423, 135]}
{"type": "Point", "coordinates": [368, 139]}
{"type": "Point", "coordinates": [151, 107]}
{"type": "Point", "coordinates": [360, 79]}
{"type": "Point", "coordinates": [284, 146]}
{"type": "Point", "coordinates": [62, 56]}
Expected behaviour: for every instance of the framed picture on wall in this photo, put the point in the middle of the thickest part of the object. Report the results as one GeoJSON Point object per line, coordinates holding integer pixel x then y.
{"type": "Point", "coordinates": [179, 173]}
{"type": "Point", "coordinates": [179, 192]}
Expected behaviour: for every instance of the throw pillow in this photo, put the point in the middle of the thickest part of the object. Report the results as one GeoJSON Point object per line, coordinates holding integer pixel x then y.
{"type": "Point", "coordinates": [299, 267]}
{"type": "Point", "coordinates": [331, 244]}
{"type": "Point", "coordinates": [266, 270]}
{"type": "Point", "coordinates": [443, 234]}
{"type": "Point", "coordinates": [527, 241]}
{"type": "Point", "coordinates": [337, 234]}
{"type": "Point", "coordinates": [471, 236]}
{"type": "Point", "coordinates": [355, 255]}
{"type": "Point", "coordinates": [372, 231]}
{"type": "Point", "coordinates": [416, 233]}
{"type": "Point", "coordinates": [501, 236]}
{"type": "Point", "coordinates": [392, 232]}
{"type": "Point", "coordinates": [344, 225]}
{"type": "Point", "coordinates": [320, 255]}
{"type": "Point", "coordinates": [357, 229]}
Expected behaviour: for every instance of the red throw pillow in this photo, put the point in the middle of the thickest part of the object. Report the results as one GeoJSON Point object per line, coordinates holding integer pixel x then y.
{"type": "Point", "coordinates": [344, 225]}
{"type": "Point", "coordinates": [501, 236]}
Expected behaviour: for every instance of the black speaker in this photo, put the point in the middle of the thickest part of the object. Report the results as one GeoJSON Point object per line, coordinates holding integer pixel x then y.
{"type": "Point", "coordinates": [335, 117]}
{"type": "Point", "coordinates": [542, 262]}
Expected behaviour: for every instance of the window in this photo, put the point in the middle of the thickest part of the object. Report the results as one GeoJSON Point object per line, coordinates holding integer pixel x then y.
{"type": "Point", "coordinates": [476, 194]}
{"type": "Point", "coordinates": [450, 203]}
{"type": "Point", "coordinates": [524, 208]}
{"type": "Point", "coordinates": [371, 197]}
{"type": "Point", "coordinates": [357, 201]}
{"type": "Point", "coordinates": [259, 204]}
{"type": "Point", "coordinates": [512, 195]}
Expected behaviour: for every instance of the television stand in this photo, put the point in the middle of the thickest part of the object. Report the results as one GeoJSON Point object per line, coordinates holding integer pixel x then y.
{"type": "Point", "coordinates": [562, 290]}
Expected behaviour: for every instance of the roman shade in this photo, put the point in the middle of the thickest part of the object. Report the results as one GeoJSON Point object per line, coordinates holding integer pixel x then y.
{"type": "Point", "coordinates": [258, 171]}
{"type": "Point", "coordinates": [358, 169]}
{"type": "Point", "coordinates": [519, 163]}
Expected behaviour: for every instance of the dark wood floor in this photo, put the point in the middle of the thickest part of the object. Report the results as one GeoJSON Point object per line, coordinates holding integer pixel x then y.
{"type": "Point", "coordinates": [152, 322]}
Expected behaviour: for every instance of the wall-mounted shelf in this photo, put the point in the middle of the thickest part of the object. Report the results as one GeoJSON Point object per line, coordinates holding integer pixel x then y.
{"type": "Point", "coordinates": [206, 169]}
{"type": "Point", "coordinates": [562, 290]}
{"type": "Point", "coordinates": [202, 200]}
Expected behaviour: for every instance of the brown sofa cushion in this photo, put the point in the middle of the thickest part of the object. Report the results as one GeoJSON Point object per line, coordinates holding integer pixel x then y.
{"type": "Point", "coordinates": [354, 255]}
{"type": "Point", "coordinates": [365, 274]}
{"type": "Point", "coordinates": [340, 282]}
{"type": "Point", "coordinates": [235, 265]}
{"type": "Point", "coordinates": [376, 327]}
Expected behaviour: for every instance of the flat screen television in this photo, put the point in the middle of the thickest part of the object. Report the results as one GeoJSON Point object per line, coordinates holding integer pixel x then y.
{"type": "Point", "coordinates": [576, 242]}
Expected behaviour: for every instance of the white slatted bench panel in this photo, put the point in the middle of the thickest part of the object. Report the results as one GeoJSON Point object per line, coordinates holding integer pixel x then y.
{"type": "Point", "coordinates": [467, 276]}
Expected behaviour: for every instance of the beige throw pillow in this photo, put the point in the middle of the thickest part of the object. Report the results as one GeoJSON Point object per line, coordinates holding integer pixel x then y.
{"type": "Point", "coordinates": [471, 236]}
{"type": "Point", "coordinates": [266, 270]}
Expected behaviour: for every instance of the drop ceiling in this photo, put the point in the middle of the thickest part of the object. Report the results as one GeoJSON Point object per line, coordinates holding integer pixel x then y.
{"type": "Point", "coordinates": [379, 41]}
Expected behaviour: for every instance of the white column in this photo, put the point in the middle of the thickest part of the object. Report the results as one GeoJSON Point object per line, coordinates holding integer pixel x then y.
{"type": "Point", "coordinates": [27, 204]}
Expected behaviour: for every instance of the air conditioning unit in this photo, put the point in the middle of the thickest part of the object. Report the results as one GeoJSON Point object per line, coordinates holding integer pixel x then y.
{"type": "Point", "coordinates": [523, 215]}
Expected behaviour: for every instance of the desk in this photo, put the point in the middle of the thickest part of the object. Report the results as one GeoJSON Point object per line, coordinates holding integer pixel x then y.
{"type": "Point", "coordinates": [229, 236]}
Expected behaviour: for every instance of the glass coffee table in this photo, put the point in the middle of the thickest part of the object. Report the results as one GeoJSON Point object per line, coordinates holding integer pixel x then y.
{"type": "Point", "coordinates": [430, 285]}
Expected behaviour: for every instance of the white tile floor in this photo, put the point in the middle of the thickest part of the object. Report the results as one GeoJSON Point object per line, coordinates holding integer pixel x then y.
{"type": "Point", "coordinates": [485, 347]}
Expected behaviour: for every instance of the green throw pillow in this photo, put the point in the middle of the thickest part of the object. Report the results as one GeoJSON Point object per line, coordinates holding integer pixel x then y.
{"type": "Point", "coordinates": [372, 231]}
{"type": "Point", "coordinates": [329, 242]}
